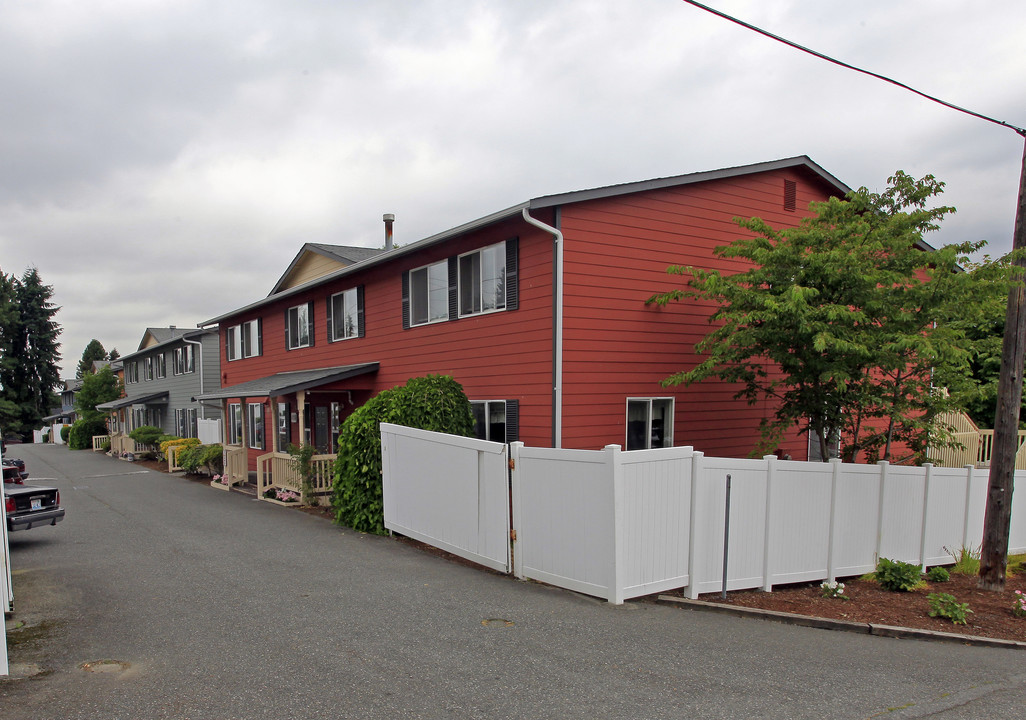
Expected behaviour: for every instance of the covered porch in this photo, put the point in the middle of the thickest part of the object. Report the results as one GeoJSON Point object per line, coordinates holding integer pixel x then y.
{"type": "Point", "coordinates": [126, 414]}
{"type": "Point", "coordinates": [263, 418]}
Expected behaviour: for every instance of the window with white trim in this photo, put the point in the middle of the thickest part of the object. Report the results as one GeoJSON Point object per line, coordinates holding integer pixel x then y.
{"type": "Point", "coordinates": [482, 280]}
{"type": "Point", "coordinates": [132, 372]}
{"type": "Point", "coordinates": [235, 424]}
{"type": "Point", "coordinates": [243, 340]}
{"type": "Point", "coordinates": [345, 315]}
{"type": "Point", "coordinates": [185, 422]}
{"type": "Point", "coordinates": [255, 425]}
{"type": "Point", "coordinates": [495, 420]}
{"type": "Point", "coordinates": [183, 360]}
{"type": "Point", "coordinates": [148, 368]}
{"type": "Point", "coordinates": [649, 423]}
{"type": "Point", "coordinates": [429, 293]}
{"type": "Point", "coordinates": [299, 328]}
{"type": "Point", "coordinates": [160, 365]}
{"type": "Point", "coordinates": [284, 427]}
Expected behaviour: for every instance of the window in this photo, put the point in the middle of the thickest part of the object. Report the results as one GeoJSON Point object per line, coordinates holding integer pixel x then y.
{"type": "Point", "coordinates": [235, 424]}
{"type": "Point", "coordinates": [132, 372]}
{"type": "Point", "coordinates": [336, 412]}
{"type": "Point", "coordinates": [255, 425]}
{"type": "Point", "coordinates": [243, 340]}
{"type": "Point", "coordinates": [495, 420]}
{"type": "Point", "coordinates": [299, 328]}
{"type": "Point", "coordinates": [185, 422]}
{"type": "Point", "coordinates": [429, 293]}
{"type": "Point", "coordinates": [284, 427]}
{"type": "Point", "coordinates": [160, 365]}
{"type": "Point", "coordinates": [182, 360]}
{"type": "Point", "coordinates": [649, 423]}
{"type": "Point", "coordinates": [345, 315]}
{"type": "Point", "coordinates": [483, 280]}
{"type": "Point", "coordinates": [148, 368]}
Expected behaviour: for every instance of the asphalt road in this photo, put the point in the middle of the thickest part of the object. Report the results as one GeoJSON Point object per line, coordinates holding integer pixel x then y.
{"type": "Point", "coordinates": [203, 604]}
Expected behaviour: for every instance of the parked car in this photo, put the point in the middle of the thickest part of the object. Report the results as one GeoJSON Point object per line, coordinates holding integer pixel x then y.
{"type": "Point", "coordinates": [28, 506]}
{"type": "Point", "coordinates": [17, 464]}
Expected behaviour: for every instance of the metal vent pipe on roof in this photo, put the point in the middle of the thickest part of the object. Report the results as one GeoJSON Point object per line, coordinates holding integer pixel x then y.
{"type": "Point", "coordinates": [389, 218]}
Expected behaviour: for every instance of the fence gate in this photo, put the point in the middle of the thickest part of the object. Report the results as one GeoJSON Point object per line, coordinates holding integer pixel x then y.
{"type": "Point", "coordinates": [447, 491]}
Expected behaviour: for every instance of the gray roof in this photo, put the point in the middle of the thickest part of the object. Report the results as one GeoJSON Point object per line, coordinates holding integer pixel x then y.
{"type": "Point", "coordinates": [345, 254]}
{"type": "Point", "coordinates": [150, 399]}
{"type": "Point", "coordinates": [547, 201]}
{"type": "Point", "coordinates": [167, 337]}
{"type": "Point", "coordinates": [286, 383]}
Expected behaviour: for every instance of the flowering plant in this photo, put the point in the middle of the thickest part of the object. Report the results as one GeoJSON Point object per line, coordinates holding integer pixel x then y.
{"type": "Point", "coordinates": [1019, 604]}
{"type": "Point", "coordinates": [286, 496]}
{"type": "Point", "coordinates": [833, 589]}
{"type": "Point", "coordinates": [223, 479]}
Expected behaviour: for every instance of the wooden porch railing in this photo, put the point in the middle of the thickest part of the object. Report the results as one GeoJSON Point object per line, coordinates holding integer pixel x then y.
{"type": "Point", "coordinates": [987, 450]}
{"type": "Point", "coordinates": [235, 464]}
{"type": "Point", "coordinates": [280, 470]}
{"type": "Point", "coordinates": [978, 445]}
{"type": "Point", "coordinates": [99, 440]}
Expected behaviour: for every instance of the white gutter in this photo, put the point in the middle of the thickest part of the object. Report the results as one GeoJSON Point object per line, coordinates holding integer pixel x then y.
{"type": "Point", "coordinates": [557, 294]}
{"type": "Point", "coordinates": [199, 363]}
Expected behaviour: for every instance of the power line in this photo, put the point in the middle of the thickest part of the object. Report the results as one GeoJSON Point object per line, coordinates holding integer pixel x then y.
{"type": "Point", "coordinates": [821, 56]}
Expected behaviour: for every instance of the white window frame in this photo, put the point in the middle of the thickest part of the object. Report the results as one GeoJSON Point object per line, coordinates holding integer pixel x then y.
{"type": "Point", "coordinates": [342, 311]}
{"type": "Point", "coordinates": [235, 423]}
{"type": "Point", "coordinates": [244, 341]}
{"type": "Point", "coordinates": [667, 431]}
{"type": "Point", "coordinates": [487, 406]}
{"type": "Point", "coordinates": [148, 368]}
{"type": "Point", "coordinates": [440, 295]}
{"type": "Point", "coordinates": [480, 282]}
{"type": "Point", "coordinates": [255, 422]}
{"type": "Point", "coordinates": [160, 365]}
{"type": "Point", "coordinates": [183, 360]}
{"type": "Point", "coordinates": [132, 372]}
{"type": "Point", "coordinates": [298, 320]}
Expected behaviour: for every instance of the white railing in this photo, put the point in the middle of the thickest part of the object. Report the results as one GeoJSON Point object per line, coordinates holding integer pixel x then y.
{"type": "Point", "coordinates": [620, 524]}
{"type": "Point", "coordinates": [99, 441]}
{"type": "Point", "coordinates": [986, 451]}
{"type": "Point", "coordinates": [236, 464]}
{"type": "Point", "coordinates": [281, 470]}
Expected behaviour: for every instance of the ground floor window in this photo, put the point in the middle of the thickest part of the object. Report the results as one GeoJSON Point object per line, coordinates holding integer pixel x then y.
{"type": "Point", "coordinates": [495, 420]}
{"type": "Point", "coordinates": [649, 423]}
{"type": "Point", "coordinates": [255, 425]}
{"type": "Point", "coordinates": [235, 424]}
{"type": "Point", "coordinates": [284, 427]}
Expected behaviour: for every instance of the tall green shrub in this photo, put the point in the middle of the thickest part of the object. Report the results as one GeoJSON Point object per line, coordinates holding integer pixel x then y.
{"type": "Point", "coordinates": [80, 437]}
{"type": "Point", "coordinates": [434, 402]}
{"type": "Point", "coordinates": [146, 434]}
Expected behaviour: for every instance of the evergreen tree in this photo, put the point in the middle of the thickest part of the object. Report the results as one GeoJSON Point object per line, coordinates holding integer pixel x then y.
{"type": "Point", "coordinates": [9, 412]}
{"type": "Point", "coordinates": [94, 351]}
{"type": "Point", "coordinates": [114, 355]}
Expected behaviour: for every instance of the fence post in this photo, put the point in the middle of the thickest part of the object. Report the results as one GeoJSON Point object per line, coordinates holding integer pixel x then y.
{"type": "Point", "coordinates": [767, 571]}
{"type": "Point", "coordinates": [616, 581]}
{"type": "Point", "coordinates": [835, 474]}
{"type": "Point", "coordinates": [515, 449]}
{"type": "Point", "coordinates": [970, 474]}
{"type": "Point", "coordinates": [926, 508]}
{"type": "Point", "coordinates": [696, 475]}
{"type": "Point", "coordinates": [883, 464]}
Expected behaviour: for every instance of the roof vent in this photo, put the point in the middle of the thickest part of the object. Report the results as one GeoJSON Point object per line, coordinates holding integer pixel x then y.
{"type": "Point", "coordinates": [790, 195]}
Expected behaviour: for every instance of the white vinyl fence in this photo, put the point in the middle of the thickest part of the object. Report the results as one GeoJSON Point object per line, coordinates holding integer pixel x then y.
{"type": "Point", "coordinates": [617, 524]}
{"type": "Point", "coordinates": [208, 431]}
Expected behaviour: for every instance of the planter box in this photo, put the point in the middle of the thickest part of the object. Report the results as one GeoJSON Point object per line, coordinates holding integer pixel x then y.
{"type": "Point", "coordinates": [279, 502]}
{"type": "Point", "coordinates": [219, 486]}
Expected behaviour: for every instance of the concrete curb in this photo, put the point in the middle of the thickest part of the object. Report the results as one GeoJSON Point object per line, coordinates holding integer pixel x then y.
{"type": "Point", "coordinates": [842, 625]}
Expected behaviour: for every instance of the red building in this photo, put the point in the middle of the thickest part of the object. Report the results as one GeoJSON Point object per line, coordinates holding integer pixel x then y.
{"type": "Point", "coordinates": [537, 310]}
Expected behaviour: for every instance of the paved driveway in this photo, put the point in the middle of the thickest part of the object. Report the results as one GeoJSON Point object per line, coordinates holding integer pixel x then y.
{"type": "Point", "coordinates": [207, 604]}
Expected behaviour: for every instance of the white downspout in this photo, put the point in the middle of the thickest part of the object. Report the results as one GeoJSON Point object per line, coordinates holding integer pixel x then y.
{"type": "Point", "coordinates": [557, 292]}
{"type": "Point", "coordinates": [199, 363]}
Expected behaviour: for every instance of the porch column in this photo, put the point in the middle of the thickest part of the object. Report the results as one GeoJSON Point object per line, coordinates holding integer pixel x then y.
{"type": "Point", "coordinates": [301, 407]}
{"type": "Point", "coordinates": [224, 422]}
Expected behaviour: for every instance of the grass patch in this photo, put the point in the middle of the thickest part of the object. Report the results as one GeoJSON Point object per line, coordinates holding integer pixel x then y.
{"type": "Point", "coordinates": [967, 560]}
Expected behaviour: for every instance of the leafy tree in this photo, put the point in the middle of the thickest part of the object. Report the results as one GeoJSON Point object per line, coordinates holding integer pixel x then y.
{"type": "Point", "coordinates": [30, 373]}
{"type": "Point", "coordinates": [843, 320]}
{"type": "Point", "coordinates": [93, 351]}
{"type": "Point", "coordinates": [99, 387]}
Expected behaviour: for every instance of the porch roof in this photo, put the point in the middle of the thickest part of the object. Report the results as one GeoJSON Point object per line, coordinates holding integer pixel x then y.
{"type": "Point", "coordinates": [286, 383]}
{"type": "Point", "coordinates": [137, 400]}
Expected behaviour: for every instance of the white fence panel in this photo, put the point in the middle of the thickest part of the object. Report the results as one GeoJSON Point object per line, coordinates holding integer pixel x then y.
{"type": "Point", "coordinates": [563, 515]}
{"type": "Point", "coordinates": [1017, 534]}
{"type": "Point", "coordinates": [902, 513]}
{"type": "Point", "coordinates": [208, 431]}
{"type": "Point", "coordinates": [450, 492]}
{"type": "Point", "coordinates": [799, 540]}
{"type": "Point", "coordinates": [857, 510]}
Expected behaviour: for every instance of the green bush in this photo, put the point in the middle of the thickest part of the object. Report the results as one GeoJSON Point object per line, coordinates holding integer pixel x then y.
{"type": "Point", "coordinates": [967, 560]}
{"type": "Point", "coordinates": [938, 575]}
{"type": "Point", "coordinates": [434, 402]}
{"type": "Point", "coordinates": [66, 433]}
{"type": "Point", "coordinates": [898, 576]}
{"type": "Point", "coordinates": [946, 606]}
{"type": "Point", "coordinates": [146, 434]}
{"type": "Point", "coordinates": [197, 456]}
{"type": "Point", "coordinates": [80, 437]}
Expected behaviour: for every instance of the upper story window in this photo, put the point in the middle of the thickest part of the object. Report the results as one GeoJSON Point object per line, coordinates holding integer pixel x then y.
{"type": "Point", "coordinates": [243, 340]}
{"type": "Point", "coordinates": [160, 365]}
{"type": "Point", "coordinates": [483, 280]}
{"type": "Point", "coordinates": [299, 326]}
{"type": "Point", "coordinates": [183, 360]}
{"type": "Point", "coordinates": [429, 293]}
{"type": "Point", "coordinates": [148, 368]}
{"type": "Point", "coordinates": [649, 423]}
{"type": "Point", "coordinates": [345, 315]}
{"type": "Point", "coordinates": [132, 372]}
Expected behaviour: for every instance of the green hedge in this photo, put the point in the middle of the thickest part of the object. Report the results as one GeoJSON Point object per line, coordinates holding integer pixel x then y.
{"type": "Point", "coordinates": [80, 437]}
{"type": "Point", "coordinates": [197, 456]}
{"type": "Point", "coordinates": [434, 402]}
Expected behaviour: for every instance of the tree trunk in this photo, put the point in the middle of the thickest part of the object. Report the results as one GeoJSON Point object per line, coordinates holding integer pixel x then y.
{"type": "Point", "coordinates": [996, 523]}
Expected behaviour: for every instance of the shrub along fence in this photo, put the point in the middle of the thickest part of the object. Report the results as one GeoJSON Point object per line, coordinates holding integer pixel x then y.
{"type": "Point", "coordinates": [618, 524]}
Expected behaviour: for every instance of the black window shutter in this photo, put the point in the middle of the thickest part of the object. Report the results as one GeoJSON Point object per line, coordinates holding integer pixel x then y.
{"type": "Point", "coordinates": [227, 348]}
{"type": "Point", "coordinates": [406, 300]}
{"type": "Point", "coordinates": [287, 330]}
{"type": "Point", "coordinates": [310, 321]}
{"type": "Point", "coordinates": [454, 295]}
{"type": "Point", "coordinates": [330, 323]}
{"type": "Point", "coordinates": [512, 420]}
{"type": "Point", "coordinates": [360, 327]}
{"type": "Point", "coordinates": [512, 275]}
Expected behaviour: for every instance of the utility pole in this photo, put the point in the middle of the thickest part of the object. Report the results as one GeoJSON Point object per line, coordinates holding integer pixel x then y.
{"type": "Point", "coordinates": [998, 517]}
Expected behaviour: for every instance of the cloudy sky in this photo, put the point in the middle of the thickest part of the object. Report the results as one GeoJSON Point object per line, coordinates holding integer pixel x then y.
{"type": "Point", "coordinates": [162, 161]}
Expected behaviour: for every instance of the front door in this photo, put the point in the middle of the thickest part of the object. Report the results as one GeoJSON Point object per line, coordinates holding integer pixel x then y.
{"type": "Point", "coordinates": [322, 429]}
